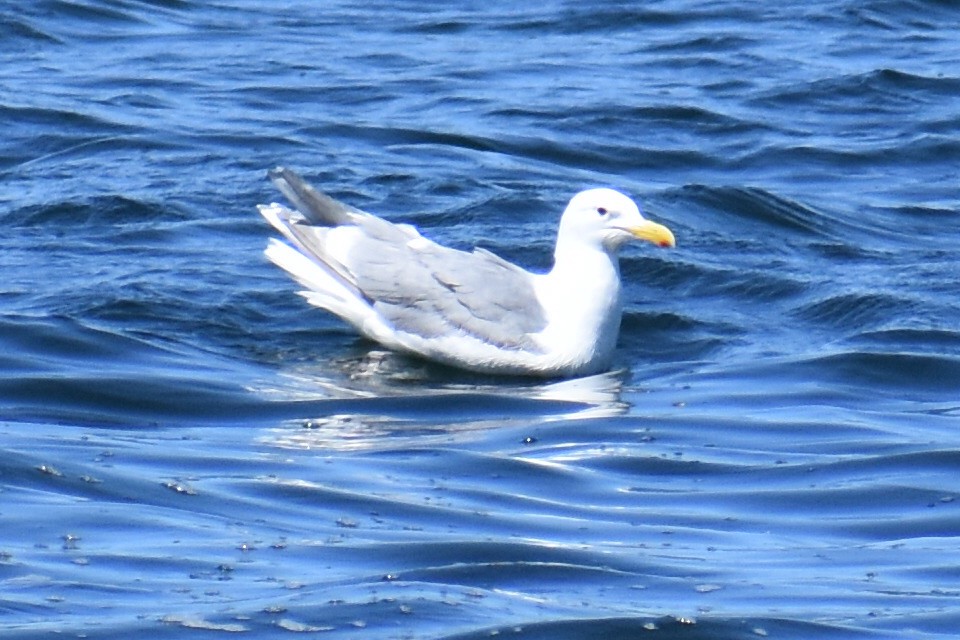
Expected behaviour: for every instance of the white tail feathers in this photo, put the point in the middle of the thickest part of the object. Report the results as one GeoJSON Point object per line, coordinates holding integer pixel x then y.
{"type": "Point", "coordinates": [327, 292]}
{"type": "Point", "coordinates": [307, 272]}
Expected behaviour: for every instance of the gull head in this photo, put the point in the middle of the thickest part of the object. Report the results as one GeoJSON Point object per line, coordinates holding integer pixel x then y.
{"type": "Point", "coordinates": [608, 219]}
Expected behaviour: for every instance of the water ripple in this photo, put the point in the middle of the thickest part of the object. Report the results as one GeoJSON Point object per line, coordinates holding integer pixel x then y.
{"type": "Point", "coordinates": [189, 449]}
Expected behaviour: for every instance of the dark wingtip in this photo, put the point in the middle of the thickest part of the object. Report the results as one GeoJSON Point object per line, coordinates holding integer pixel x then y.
{"type": "Point", "coordinates": [279, 172]}
{"type": "Point", "coordinates": [315, 206]}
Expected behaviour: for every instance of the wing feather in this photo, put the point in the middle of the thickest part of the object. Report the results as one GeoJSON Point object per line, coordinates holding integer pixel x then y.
{"type": "Point", "coordinates": [419, 286]}
{"type": "Point", "coordinates": [430, 290]}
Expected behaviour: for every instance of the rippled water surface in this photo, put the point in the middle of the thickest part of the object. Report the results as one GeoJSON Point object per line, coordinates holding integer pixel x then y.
{"type": "Point", "coordinates": [190, 451]}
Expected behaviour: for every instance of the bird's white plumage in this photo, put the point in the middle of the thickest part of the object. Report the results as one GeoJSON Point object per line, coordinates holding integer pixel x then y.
{"type": "Point", "coordinates": [467, 309]}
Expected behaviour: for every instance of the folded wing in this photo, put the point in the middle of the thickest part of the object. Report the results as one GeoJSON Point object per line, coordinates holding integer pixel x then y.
{"type": "Point", "coordinates": [415, 285]}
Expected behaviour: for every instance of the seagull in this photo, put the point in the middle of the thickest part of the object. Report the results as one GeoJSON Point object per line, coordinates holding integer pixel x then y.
{"type": "Point", "coordinates": [468, 309]}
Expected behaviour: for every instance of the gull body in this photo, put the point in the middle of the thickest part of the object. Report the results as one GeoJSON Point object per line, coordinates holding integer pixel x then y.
{"type": "Point", "coordinates": [471, 310]}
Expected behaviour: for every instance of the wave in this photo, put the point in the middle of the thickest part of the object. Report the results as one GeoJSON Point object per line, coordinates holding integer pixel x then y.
{"type": "Point", "coordinates": [17, 29]}
{"type": "Point", "coordinates": [92, 212]}
{"type": "Point", "coordinates": [923, 340]}
{"type": "Point", "coordinates": [917, 376]}
{"type": "Point", "coordinates": [663, 628]}
{"type": "Point", "coordinates": [759, 205]}
{"type": "Point", "coordinates": [856, 310]}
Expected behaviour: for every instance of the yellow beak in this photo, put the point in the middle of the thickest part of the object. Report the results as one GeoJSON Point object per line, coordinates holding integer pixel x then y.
{"type": "Point", "coordinates": [653, 232]}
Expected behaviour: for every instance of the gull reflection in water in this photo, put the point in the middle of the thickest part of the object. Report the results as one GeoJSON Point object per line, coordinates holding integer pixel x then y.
{"type": "Point", "coordinates": [382, 400]}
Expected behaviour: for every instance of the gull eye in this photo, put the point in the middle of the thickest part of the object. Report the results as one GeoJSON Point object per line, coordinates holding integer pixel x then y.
{"type": "Point", "coordinates": [602, 211]}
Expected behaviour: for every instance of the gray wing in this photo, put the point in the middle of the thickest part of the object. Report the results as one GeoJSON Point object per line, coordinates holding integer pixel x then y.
{"type": "Point", "coordinates": [421, 287]}
{"type": "Point", "coordinates": [434, 291]}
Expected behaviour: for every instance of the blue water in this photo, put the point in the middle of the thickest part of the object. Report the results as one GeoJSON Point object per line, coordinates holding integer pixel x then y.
{"type": "Point", "coordinates": [190, 451]}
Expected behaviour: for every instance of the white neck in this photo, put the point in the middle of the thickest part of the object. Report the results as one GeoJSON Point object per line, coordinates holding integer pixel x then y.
{"type": "Point", "coordinates": [581, 296]}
